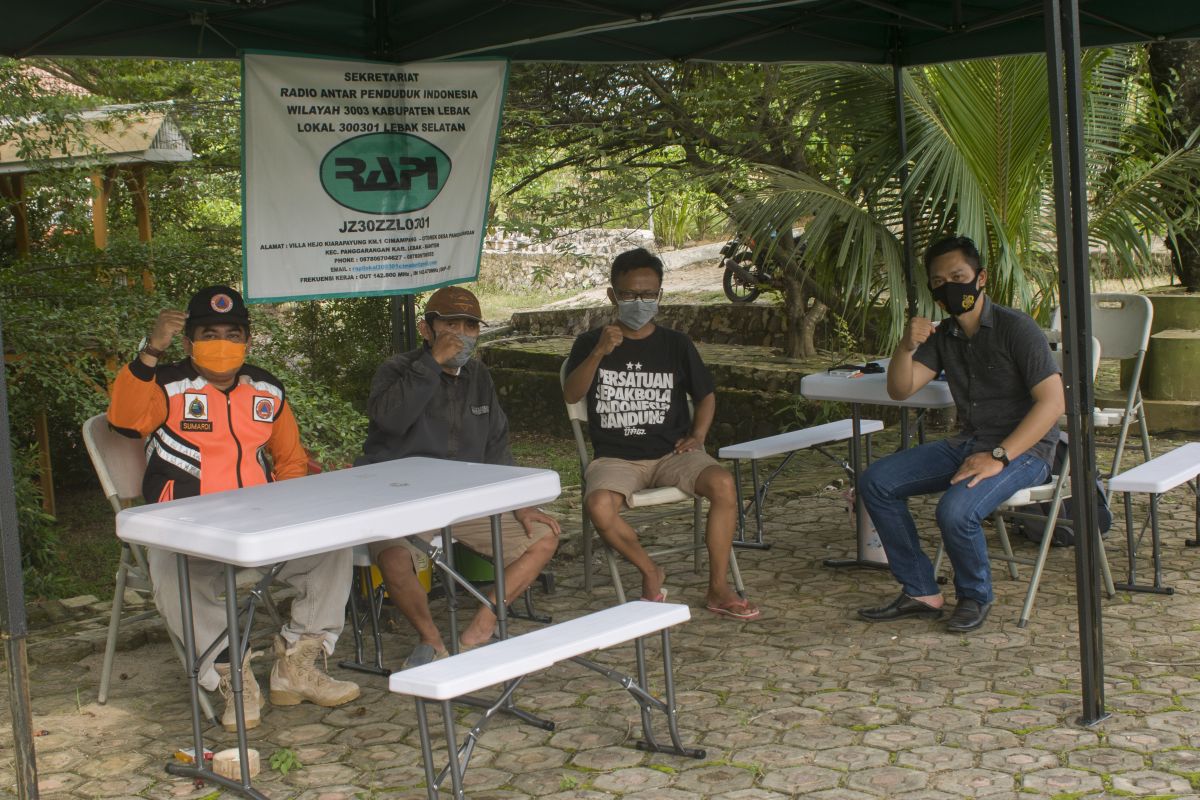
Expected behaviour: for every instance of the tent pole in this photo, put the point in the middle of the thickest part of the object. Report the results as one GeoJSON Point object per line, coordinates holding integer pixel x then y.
{"type": "Point", "coordinates": [410, 322]}
{"type": "Point", "coordinates": [13, 626]}
{"type": "Point", "coordinates": [1070, 190]}
{"type": "Point", "coordinates": [403, 308]}
{"type": "Point", "coordinates": [910, 287]}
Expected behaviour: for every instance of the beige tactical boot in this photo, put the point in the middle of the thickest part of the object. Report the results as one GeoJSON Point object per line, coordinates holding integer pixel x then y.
{"type": "Point", "coordinates": [252, 699]}
{"type": "Point", "coordinates": [296, 678]}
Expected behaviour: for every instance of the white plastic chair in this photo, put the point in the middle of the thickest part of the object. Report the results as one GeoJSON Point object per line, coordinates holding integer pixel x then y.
{"type": "Point", "coordinates": [644, 499]}
{"type": "Point", "coordinates": [120, 462]}
{"type": "Point", "coordinates": [1121, 323]}
{"type": "Point", "coordinates": [1054, 491]}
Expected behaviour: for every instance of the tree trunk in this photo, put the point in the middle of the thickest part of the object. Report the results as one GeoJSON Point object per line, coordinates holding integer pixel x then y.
{"type": "Point", "coordinates": [1185, 257]}
{"type": "Point", "coordinates": [1175, 74]}
{"type": "Point", "coordinates": [802, 320]}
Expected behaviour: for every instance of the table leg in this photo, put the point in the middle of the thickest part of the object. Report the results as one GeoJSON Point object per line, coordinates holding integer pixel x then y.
{"type": "Point", "coordinates": [499, 607]}
{"type": "Point", "coordinates": [197, 769]}
{"type": "Point", "coordinates": [1195, 490]}
{"type": "Point", "coordinates": [1156, 554]}
{"type": "Point", "coordinates": [431, 786]}
{"type": "Point", "coordinates": [498, 571]}
{"type": "Point", "coordinates": [189, 650]}
{"type": "Point", "coordinates": [740, 537]}
{"type": "Point", "coordinates": [456, 776]}
{"type": "Point", "coordinates": [450, 588]}
{"type": "Point", "coordinates": [235, 670]}
{"type": "Point", "coordinates": [860, 559]}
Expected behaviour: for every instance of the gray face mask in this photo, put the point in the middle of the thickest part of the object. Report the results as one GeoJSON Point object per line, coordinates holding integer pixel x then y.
{"type": "Point", "coordinates": [464, 355]}
{"type": "Point", "coordinates": [634, 314]}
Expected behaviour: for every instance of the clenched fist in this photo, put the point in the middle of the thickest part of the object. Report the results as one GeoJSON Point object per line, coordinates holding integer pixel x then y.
{"type": "Point", "coordinates": [445, 347]}
{"type": "Point", "coordinates": [918, 331]}
{"type": "Point", "coordinates": [167, 325]}
{"type": "Point", "coordinates": [610, 338]}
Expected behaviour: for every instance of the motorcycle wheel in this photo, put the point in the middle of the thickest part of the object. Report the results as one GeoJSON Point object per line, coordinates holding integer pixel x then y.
{"type": "Point", "coordinates": [734, 282]}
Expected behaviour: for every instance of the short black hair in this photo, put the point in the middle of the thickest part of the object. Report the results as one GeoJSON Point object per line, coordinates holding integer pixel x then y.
{"type": "Point", "coordinates": [638, 258]}
{"type": "Point", "coordinates": [963, 244]}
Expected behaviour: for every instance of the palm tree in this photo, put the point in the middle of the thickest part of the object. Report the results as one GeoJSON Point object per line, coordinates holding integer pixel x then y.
{"type": "Point", "coordinates": [979, 165]}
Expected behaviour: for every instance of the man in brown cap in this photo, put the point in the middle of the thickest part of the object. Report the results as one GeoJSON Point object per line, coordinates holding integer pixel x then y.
{"type": "Point", "coordinates": [438, 402]}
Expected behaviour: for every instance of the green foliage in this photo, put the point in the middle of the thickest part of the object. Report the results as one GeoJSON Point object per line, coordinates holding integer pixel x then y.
{"type": "Point", "coordinates": [284, 760]}
{"type": "Point", "coordinates": [39, 536]}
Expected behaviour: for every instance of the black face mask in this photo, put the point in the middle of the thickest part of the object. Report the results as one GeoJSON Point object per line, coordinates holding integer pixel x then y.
{"type": "Point", "coordinates": [958, 298]}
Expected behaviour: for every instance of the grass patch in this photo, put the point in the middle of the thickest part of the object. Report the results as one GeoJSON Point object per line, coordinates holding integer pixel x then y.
{"type": "Point", "coordinates": [89, 550]}
{"type": "Point", "coordinates": [547, 452]}
{"type": "Point", "coordinates": [499, 305]}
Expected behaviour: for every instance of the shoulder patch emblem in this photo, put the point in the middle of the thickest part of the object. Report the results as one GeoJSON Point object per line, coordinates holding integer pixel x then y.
{"type": "Point", "coordinates": [264, 409]}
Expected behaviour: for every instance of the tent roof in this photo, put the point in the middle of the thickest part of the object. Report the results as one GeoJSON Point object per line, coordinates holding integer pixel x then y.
{"type": "Point", "coordinates": [111, 135]}
{"type": "Point", "coordinates": [870, 31]}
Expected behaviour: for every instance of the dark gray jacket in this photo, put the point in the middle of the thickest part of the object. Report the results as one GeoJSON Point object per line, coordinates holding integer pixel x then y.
{"type": "Point", "coordinates": [416, 409]}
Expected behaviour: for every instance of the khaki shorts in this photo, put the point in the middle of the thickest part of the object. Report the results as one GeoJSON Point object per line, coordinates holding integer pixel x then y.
{"type": "Point", "coordinates": [626, 477]}
{"type": "Point", "coordinates": [475, 534]}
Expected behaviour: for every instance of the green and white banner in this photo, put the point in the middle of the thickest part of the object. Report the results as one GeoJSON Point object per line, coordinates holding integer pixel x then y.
{"type": "Point", "coordinates": [364, 178]}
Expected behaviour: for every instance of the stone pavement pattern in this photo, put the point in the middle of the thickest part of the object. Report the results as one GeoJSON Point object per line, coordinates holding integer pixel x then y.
{"type": "Point", "coordinates": [806, 702]}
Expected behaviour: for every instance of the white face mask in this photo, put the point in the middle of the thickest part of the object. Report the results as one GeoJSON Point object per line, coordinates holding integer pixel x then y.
{"type": "Point", "coordinates": [634, 314]}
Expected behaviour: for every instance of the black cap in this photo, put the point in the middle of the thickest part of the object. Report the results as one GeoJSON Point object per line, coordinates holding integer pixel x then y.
{"type": "Point", "coordinates": [217, 304]}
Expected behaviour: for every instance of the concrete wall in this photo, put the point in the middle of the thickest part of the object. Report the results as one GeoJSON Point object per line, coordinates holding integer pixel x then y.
{"type": "Point", "coordinates": [753, 324]}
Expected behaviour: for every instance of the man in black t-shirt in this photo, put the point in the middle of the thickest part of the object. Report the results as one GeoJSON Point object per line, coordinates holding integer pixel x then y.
{"type": "Point", "coordinates": [637, 377]}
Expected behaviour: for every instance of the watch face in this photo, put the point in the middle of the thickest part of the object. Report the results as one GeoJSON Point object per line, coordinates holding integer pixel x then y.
{"type": "Point", "coordinates": [998, 453]}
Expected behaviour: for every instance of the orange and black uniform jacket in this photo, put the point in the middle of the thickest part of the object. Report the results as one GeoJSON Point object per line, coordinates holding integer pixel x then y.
{"type": "Point", "coordinates": [203, 439]}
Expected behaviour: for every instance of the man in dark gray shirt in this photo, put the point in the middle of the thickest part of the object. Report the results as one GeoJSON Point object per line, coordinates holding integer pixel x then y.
{"type": "Point", "coordinates": [438, 402]}
{"type": "Point", "coordinates": [1008, 392]}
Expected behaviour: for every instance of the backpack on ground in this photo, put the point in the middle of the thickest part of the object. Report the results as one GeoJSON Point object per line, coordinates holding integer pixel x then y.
{"type": "Point", "coordinates": [1064, 536]}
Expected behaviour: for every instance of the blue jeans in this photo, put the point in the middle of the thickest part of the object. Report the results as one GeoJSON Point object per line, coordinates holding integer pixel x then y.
{"type": "Point", "coordinates": [889, 482]}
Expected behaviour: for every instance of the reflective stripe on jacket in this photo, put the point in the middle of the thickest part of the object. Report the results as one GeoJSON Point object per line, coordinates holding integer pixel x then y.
{"type": "Point", "coordinates": [202, 439]}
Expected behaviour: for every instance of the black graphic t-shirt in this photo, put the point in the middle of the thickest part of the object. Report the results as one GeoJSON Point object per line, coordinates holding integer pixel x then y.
{"type": "Point", "coordinates": [637, 403]}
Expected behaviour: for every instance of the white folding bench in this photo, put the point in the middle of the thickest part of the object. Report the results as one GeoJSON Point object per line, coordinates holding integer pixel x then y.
{"type": "Point", "coordinates": [1156, 477]}
{"type": "Point", "coordinates": [508, 662]}
{"type": "Point", "coordinates": [788, 443]}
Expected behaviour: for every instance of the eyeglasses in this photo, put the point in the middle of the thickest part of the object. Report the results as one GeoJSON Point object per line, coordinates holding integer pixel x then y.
{"type": "Point", "coordinates": [643, 296]}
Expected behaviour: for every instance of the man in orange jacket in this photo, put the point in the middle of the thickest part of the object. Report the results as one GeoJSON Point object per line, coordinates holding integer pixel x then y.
{"type": "Point", "coordinates": [216, 423]}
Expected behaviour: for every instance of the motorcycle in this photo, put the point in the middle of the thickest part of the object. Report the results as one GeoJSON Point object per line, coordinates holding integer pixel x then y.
{"type": "Point", "coordinates": [748, 269]}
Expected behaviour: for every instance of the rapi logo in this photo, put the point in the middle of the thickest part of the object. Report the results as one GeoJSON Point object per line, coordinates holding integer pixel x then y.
{"type": "Point", "coordinates": [384, 173]}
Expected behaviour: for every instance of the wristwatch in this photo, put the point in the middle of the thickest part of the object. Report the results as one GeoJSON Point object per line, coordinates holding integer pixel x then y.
{"type": "Point", "coordinates": [1001, 455]}
{"type": "Point", "coordinates": [149, 349]}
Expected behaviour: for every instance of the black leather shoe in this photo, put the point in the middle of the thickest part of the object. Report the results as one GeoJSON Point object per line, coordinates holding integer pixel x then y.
{"type": "Point", "coordinates": [968, 616]}
{"type": "Point", "coordinates": [902, 606]}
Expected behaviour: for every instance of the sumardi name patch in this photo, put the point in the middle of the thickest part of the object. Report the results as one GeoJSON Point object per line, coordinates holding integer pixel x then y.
{"type": "Point", "coordinates": [264, 409]}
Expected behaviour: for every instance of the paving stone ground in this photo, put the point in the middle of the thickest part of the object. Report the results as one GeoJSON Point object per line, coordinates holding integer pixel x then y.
{"type": "Point", "coordinates": [806, 702]}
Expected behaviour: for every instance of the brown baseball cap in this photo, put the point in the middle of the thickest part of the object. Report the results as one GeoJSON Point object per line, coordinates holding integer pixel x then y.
{"type": "Point", "coordinates": [453, 302]}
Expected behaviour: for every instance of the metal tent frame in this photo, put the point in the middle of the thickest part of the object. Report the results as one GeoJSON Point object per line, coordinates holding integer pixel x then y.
{"type": "Point", "coordinates": [896, 32]}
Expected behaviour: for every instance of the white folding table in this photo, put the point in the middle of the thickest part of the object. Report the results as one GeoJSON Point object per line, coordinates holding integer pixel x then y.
{"type": "Point", "coordinates": [869, 389]}
{"type": "Point", "coordinates": [277, 522]}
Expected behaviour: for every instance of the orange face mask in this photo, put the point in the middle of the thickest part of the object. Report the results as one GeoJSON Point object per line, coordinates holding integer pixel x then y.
{"type": "Point", "coordinates": [218, 355]}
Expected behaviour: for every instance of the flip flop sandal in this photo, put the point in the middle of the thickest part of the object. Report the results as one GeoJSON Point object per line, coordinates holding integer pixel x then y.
{"type": "Point", "coordinates": [736, 609]}
{"type": "Point", "coordinates": [660, 598]}
{"type": "Point", "coordinates": [423, 654]}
